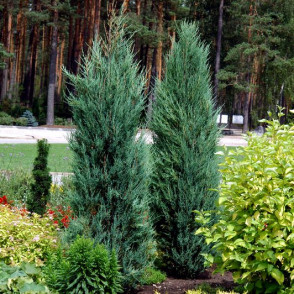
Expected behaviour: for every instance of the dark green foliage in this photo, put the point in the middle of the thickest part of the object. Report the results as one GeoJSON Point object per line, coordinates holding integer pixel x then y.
{"type": "Point", "coordinates": [31, 119]}
{"type": "Point", "coordinates": [42, 180]}
{"type": "Point", "coordinates": [184, 121]}
{"type": "Point", "coordinates": [111, 169]}
{"type": "Point", "coordinates": [84, 268]}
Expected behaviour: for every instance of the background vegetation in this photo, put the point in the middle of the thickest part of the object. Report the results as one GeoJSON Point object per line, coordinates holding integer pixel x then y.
{"type": "Point", "coordinates": [250, 49]}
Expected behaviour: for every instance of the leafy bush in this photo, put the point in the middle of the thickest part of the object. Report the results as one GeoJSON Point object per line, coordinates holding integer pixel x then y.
{"type": "Point", "coordinates": [40, 194]}
{"type": "Point", "coordinates": [152, 276]}
{"type": "Point", "coordinates": [15, 184]}
{"type": "Point", "coordinates": [84, 268]}
{"type": "Point", "coordinates": [21, 121]}
{"type": "Point", "coordinates": [25, 237]}
{"type": "Point", "coordinates": [6, 119]}
{"type": "Point", "coordinates": [254, 236]}
{"type": "Point", "coordinates": [26, 278]}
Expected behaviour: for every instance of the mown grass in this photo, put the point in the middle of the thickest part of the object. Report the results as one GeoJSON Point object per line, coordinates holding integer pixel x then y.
{"type": "Point", "coordinates": [21, 156]}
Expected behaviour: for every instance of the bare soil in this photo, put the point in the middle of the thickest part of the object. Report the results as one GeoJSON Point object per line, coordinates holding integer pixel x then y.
{"type": "Point", "coordinates": [180, 286]}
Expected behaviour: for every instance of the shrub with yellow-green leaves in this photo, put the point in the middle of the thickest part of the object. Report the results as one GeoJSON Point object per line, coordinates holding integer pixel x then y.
{"type": "Point", "coordinates": [25, 237]}
{"type": "Point", "coordinates": [254, 235]}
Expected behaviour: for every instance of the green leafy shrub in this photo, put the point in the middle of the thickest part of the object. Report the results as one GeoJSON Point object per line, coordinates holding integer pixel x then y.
{"type": "Point", "coordinates": [254, 236]}
{"type": "Point", "coordinates": [21, 121]}
{"type": "Point", "coordinates": [26, 278]}
{"type": "Point", "coordinates": [84, 268]}
{"type": "Point", "coordinates": [6, 119]}
{"type": "Point", "coordinates": [40, 188]}
{"type": "Point", "coordinates": [186, 168]}
{"type": "Point", "coordinates": [152, 276]}
{"type": "Point", "coordinates": [25, 237]}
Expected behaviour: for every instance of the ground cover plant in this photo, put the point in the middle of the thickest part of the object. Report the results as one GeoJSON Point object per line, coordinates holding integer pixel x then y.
{"type": "Point", "coordinates": [16, 156]}
{"type": "Point", "coordinates": [111, 171]}
{"type": "Point", "coordinates": [186, 171]}
{"type": "Point", "coordinates": [26, 278]}
{"type": "Point", "coordinates": [254, 236]}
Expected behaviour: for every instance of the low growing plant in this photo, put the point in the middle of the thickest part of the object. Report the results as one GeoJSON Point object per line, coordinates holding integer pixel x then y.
{"type": "Point", "coordinates": [26, 278]}
{"type": "Point", "coordinates": [152, 276]}
{"type": "Point", "coordinates": [84, 268]}
{"type": "Point", "coordinates": [254, 236]}
{"type": "Point", "coordinates": [25, 237]}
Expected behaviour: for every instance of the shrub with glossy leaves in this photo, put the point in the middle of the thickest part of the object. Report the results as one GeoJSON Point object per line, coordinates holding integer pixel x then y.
{"type": "Point", "coordinates": [254, 236]}
{"type": "Point", "coordinates": [25, 237]}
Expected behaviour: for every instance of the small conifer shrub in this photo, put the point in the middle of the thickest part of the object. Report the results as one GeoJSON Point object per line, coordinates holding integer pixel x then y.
{"type": "Point", "coordinates": [40, 188]}
{"type": "Point", "coordinates": [186, 171]}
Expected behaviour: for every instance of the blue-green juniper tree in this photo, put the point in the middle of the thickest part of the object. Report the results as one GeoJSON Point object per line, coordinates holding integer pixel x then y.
{"type": "Point", "coordinates": [111, 168]}
{"type": "Point", "coordinates": [186, 135]}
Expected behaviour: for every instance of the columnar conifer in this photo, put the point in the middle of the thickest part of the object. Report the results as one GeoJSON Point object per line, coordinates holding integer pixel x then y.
{"type": "Point", "coordinates": [186, 134]}
{"type": "Point", "coordinates": [111, 168]}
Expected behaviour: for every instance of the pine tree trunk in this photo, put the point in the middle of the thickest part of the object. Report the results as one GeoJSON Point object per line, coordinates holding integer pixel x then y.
{"type": "Point", "coordinates": [97, 18]}
{"type": "Point", "coordinates": [218, 47]}
{"type": "Point", "coordinates": [59, 69]}
{"type": "Point", "coordinates": [125, 6]}
{"type": "Point", "coordinates": [21, 41]}
{"type": "Point", "coordinates": [160, 34]}
{"type": "Point", "coordinates": [29, 80]}
{"type": "Point", "coordinates": [137, 39]}
{"type": "Point", "coordinates": [171, 31]}
{"type": "Point", "coordinates": [7, 44]}
{"type": "Point", "coordinates": [77, 45]}
{"type": "Point", "coordinates": [52, 70]}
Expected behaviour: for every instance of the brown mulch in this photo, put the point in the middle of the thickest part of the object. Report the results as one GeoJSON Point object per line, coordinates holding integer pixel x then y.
{"type": "Point", "coordinates": [57, 127]}
{"type": "Point", "coordinates": [180, 286]}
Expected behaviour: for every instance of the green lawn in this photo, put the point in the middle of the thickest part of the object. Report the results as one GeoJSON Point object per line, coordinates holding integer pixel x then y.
{"type": "Point", "coordinates": [13, 156]}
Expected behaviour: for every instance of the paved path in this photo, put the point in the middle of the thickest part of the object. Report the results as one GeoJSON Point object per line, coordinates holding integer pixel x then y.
{"type": "Point", "coordinates": [21, 135]}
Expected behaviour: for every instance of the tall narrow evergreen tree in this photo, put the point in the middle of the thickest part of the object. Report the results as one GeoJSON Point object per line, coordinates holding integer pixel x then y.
{"type": "Point", "coordinates": [40, 194]}
{"type": "Point", "coordinates": [112, 169]}
{"type": "Point", "coordinates": [184, 121]}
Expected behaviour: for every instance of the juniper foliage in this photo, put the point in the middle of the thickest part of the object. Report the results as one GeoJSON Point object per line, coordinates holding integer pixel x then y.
{"type": "Point", "coordinates": [184, 121]}
{"type": "Point", "coordinates": [112, 169]}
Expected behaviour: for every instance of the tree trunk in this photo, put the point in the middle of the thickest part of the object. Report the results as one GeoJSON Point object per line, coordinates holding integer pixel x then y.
{"type": "Point", "coordinates": [97, 18]}
{"type": "Point", "coordinates": [77, 45]}
{"type": "Point", "coordinates": [7, 44]}
{"type": "Point", "coordinates": [137, 39]}
{"type": "Point", "coordinates": [160, 35]}
{"type": "Point", "coordinates": [29, 80]}
{"type": "Point", "coordinates": [59, 69]}
{"type": "Point", "coordinates": [171, 31]}
{"type": "Point", "coordinates": [52, 70]}
{"type": "Point", "coordinates": [218, 47]}
{"type": "Point", "coordinates": [125, 6]}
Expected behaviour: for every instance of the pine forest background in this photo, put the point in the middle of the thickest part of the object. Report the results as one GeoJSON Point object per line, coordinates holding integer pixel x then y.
{"type": "Point", "coordinates": [251, 50]}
